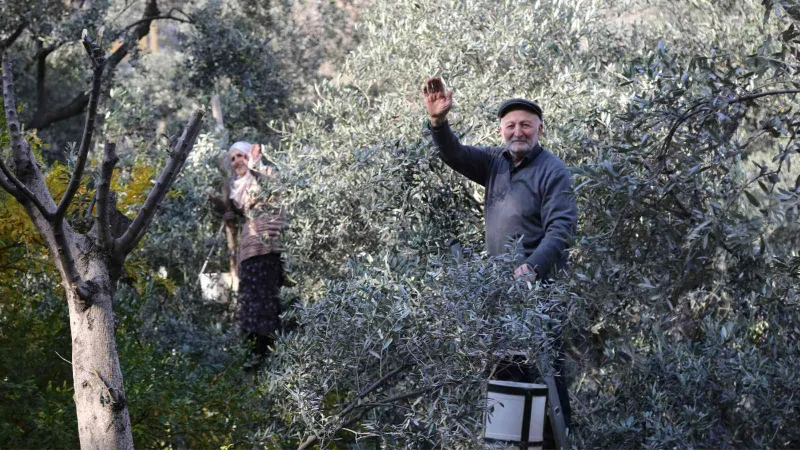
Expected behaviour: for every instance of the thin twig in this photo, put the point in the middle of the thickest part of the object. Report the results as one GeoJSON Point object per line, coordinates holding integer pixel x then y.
{"type": "Point", "coordinates": [210, 252]}
{"type": "Point", "coordinates": [118, 398]}
{"type": "Point", "coordinates": [689, 114]}
{"type": "Point", "coordinates": [98, 62]}
{"type": "Point", "coordinates": [68, 361]}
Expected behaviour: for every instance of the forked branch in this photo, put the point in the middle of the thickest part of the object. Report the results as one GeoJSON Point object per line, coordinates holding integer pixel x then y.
{"type": "Point", "coordinates": [128, 241]}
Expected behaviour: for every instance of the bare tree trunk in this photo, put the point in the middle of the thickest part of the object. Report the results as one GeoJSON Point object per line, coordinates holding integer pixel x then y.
{"type": "Point", "coordinates": [89, 264]}
{"type": "Point", "coordinates": [100, 401]}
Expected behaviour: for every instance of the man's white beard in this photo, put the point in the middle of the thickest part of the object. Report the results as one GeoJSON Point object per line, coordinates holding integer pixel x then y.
{"type": "Point", "coordinates": [520, 152]}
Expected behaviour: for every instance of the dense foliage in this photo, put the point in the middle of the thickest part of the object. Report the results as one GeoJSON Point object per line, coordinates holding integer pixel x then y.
{"type": "Point", "coordinates": [681, 310]}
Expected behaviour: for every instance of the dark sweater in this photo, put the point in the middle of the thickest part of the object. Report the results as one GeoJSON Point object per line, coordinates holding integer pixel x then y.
{"type": "Point", "coordinates": [532, 201]}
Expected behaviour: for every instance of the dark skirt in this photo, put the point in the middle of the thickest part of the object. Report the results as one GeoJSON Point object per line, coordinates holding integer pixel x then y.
{"type": "Point", "coordinates": [258, 310]}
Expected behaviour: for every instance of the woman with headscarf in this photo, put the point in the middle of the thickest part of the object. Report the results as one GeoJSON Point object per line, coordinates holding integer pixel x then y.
{"type": "Point", "coordinates": [254, 196]}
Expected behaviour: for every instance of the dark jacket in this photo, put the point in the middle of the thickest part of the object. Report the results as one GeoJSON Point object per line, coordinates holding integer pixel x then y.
{"type": "Point", "coordinates": [532, 202]}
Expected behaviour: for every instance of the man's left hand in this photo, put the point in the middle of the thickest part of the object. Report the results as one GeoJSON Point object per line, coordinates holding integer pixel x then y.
{"type": "Point", "coordinates": [525, 273]}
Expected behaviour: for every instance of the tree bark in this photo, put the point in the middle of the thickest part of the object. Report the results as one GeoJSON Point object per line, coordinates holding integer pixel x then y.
{"type": "Point", "coordinates": [100, 401]}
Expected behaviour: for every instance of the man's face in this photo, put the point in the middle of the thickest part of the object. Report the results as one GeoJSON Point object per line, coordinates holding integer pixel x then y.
{"type": "Point", "coordinates": [520, 130]}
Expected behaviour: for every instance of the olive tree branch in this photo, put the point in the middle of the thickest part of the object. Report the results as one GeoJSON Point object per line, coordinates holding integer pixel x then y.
{"type": "Point", "coordinates": [7, 42]}
{"type": "Point", "coordinates": [110, 160]}
{"type": "Point", "coordinates": [98, 63]}
{"type": "Point", "coordinates": [21, 157]}
{"type": "Point", "coordinates": [128, 241]}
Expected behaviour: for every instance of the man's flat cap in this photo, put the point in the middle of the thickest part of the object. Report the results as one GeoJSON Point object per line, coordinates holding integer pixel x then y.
{"type": "Point", "coordinates": [519, 103]}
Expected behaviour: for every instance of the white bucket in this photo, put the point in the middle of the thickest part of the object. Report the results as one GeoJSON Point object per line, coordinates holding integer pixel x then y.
{"type": "Point", "coordinates": [509, 404]}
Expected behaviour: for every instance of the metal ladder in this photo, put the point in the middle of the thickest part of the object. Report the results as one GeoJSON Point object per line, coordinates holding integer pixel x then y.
{"type": "Point", "coordinates": [554, 410]}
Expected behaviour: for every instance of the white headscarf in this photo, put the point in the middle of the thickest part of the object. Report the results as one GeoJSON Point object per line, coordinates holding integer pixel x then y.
{"type": "Point", "coordinates": [239, 184]}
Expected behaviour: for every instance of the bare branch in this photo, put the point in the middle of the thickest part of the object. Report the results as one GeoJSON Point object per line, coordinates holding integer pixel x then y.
{"type": "Point", "coordinates": [693, 111]}
{"type": "Point", "coordinates": [20, 191]}
{"type": "Point", "coordinates": [44, 119]}
{"type": "Point", "coordinates": [142, 30]}
{"type": "Point", "coordinates": [40, 59]}
{"type": "Point", "coordinates": [7, 42]}
{"type": "Point", "coordinates": [185, 19]}
{"type": "Point", "coordinates": [5, 183]}
{"type": "Point", "coordinates": [21, 162]}
{"type": "Point", "coordinates": [26, 167]}
{"type": "Point", "coordinates": [372, 388]}
{"type": "Point", "coordinates": [73, 108]}
{"type": "Point", "coordinates": [177, 157]}
{"type": "Point", "coordinates": [98, 61]}
{"type": "Point", "coordinates": [64, 255]}
{"type": "Point", "coordinates": [43, 52]}
{"type": "Point", "coordinates": [110, 160]}
{"type": "Point", "coordinates": [21, 156]}
{"type": "Point", "coordinates": [409, 395]}
{"type": "Point", "coordinates": [758, 95]}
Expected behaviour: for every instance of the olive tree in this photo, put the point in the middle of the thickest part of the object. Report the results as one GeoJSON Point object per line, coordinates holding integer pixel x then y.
{"type": "Point", "coordinates": [89, 263]}
{"type": "Point", "coordinates": [680, 233]}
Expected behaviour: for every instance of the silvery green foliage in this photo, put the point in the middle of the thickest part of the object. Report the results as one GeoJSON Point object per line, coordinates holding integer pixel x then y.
{"type": "Point", "coordinates": [681, 311]}
{"type": "Point", "coordinates": [366, 178]}
{"type": "Point", "coordinates": [442, 332]}
{"type": "Point", "coordinates": [372, 207]}
{"type": "Point", "coordinates": [689, 254]}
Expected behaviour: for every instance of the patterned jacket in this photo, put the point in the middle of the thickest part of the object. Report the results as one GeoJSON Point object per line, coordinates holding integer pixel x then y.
{"type": "Point", "coordinates": [264, 217]}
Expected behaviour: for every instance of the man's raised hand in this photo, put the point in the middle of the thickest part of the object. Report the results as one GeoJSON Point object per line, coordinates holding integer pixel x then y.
{"type": "Point", "coordinates": [437, 100]}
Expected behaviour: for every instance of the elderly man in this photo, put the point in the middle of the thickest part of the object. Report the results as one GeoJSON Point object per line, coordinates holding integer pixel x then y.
{"type": "Point", "coordinates": [528, 195]}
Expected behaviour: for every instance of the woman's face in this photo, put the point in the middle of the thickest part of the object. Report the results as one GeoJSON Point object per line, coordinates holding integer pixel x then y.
{"type": "Point", "coordinates": [239, 163]}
